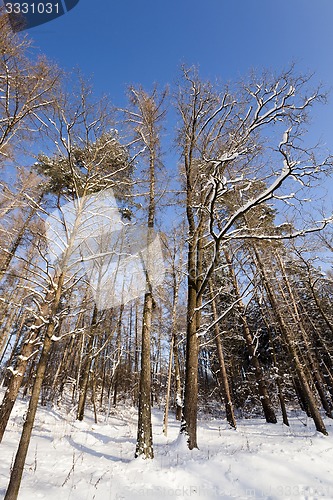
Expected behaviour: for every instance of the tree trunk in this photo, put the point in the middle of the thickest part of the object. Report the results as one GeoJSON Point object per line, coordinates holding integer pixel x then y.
{"type": "Point", "coordinates": [178, 388]}
{"type": "Point", "coordinates": [223, 376]}
{"type": "Point", "coordinates": [189, 419]}
{"type": "Point", "coordinates": [17, 471]}
{"type": "Point", "coordinates": [148, 112]}
{"type": "Point", "coordinates": [144, 444]}
{"type": "Point", "coordinates": [15, 382]}
{"type": "Point", "coordinates": [116, 374]}
{"type": "Point", "coordinates": [85, 377]}
{"type": "Point", "coordinates": [167, 398]}
{"type": "Point", "coordinates": [278, 375]}
{"type": "Point", "coordinates": [16, 475]}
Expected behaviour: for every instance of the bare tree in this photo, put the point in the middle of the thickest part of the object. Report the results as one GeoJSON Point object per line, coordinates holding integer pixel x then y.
{"type": "Point", "coordinates": [89, 159]}
{"type": "Point", "coordinates": [27, 90]}
{"type": "Point", "coordinates": [229, 406]}
{"type": "Point", "coordinates": [222, 150]}
{"type": "Point", "coordinates": [175, 260]}
{"type": "Point", "coordinates": [145, 115]}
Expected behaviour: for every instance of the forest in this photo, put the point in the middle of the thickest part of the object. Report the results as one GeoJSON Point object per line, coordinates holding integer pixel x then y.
{"type": "Point", "coordinates": [219, 185]}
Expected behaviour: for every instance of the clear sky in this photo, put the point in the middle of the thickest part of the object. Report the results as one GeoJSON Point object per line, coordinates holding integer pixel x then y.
{"type": "Point", "coordinates": [142, 41]}
{"type": "Point", "coordinates": [120, 42]}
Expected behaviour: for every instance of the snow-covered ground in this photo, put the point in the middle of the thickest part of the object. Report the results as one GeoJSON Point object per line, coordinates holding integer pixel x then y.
{"type": "Point", "coordinates": [85, 461]}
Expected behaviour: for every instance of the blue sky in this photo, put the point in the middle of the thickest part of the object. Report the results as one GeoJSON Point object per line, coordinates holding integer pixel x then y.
{"type": "Point", "coordinates": [120, 42]}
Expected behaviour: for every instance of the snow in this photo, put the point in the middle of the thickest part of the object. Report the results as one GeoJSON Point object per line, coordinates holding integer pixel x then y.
{"type": "Point", "coordinates": [75, 460]}
{"type": "Point", "coordinates": [55, 338]}
{"type": "Point", "coordinates": [14, 372]}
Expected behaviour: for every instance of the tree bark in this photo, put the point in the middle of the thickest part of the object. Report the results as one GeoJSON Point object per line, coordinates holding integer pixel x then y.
{"type": "Point", "coordinates": [167, 398]}
{"type": "Point", "coordinates": [144, 444]}
{"type": "Point", "coordinates": [17, 471]}
{"type": "Point", "coordinates": [148, 112]}
{"type": "Point", "coordinates": [189, 420]}
{"type": "Point", "coordinates": [116, 374]}
{"type": "Point", "coordinates": [223, 376]}
{"type": "Point", "coordinates": [178, 385]}
{"type": "Point", "coordinates": [16, 379]}
{"type": "Point", "coordinates": [86, 372]}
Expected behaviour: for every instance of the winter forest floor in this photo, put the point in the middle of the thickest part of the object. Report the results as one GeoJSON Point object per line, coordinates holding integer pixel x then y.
{"type": "Point", "coordinates": [84, 461]}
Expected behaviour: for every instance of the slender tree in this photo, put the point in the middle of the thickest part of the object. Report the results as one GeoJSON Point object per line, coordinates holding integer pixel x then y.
{"type": "Point", "coordinates": [145, 116]}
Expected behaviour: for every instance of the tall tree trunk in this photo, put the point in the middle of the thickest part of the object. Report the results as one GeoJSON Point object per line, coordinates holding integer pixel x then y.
{"type": "Point", "coordinates": [167, 398]}
{"type": "Point", "coordinates": [116, 374]}
{"type": "Point", "coordinates": [178, 385]}
{"type": "Point", "coordinates": [174, 355]}
{"type": "Point", "coordinates": [28, 350]}
{"type": "Point", "coordinates": [278, 374]}
{"type": "Point", "coordinates": [148, 112]}
{"type": "Point", "coordinates": [189, 419]}
{"type": "Point", "coordinates": [86, 371]}
{"type": "Point", "coordinates": [16, 475]}
{"type": "Point", "coordinates": [144, 444]}
{"type": "Point", "coordinates": [17, 471]}
{"type": "Point", "coordinates": [223, 376]}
